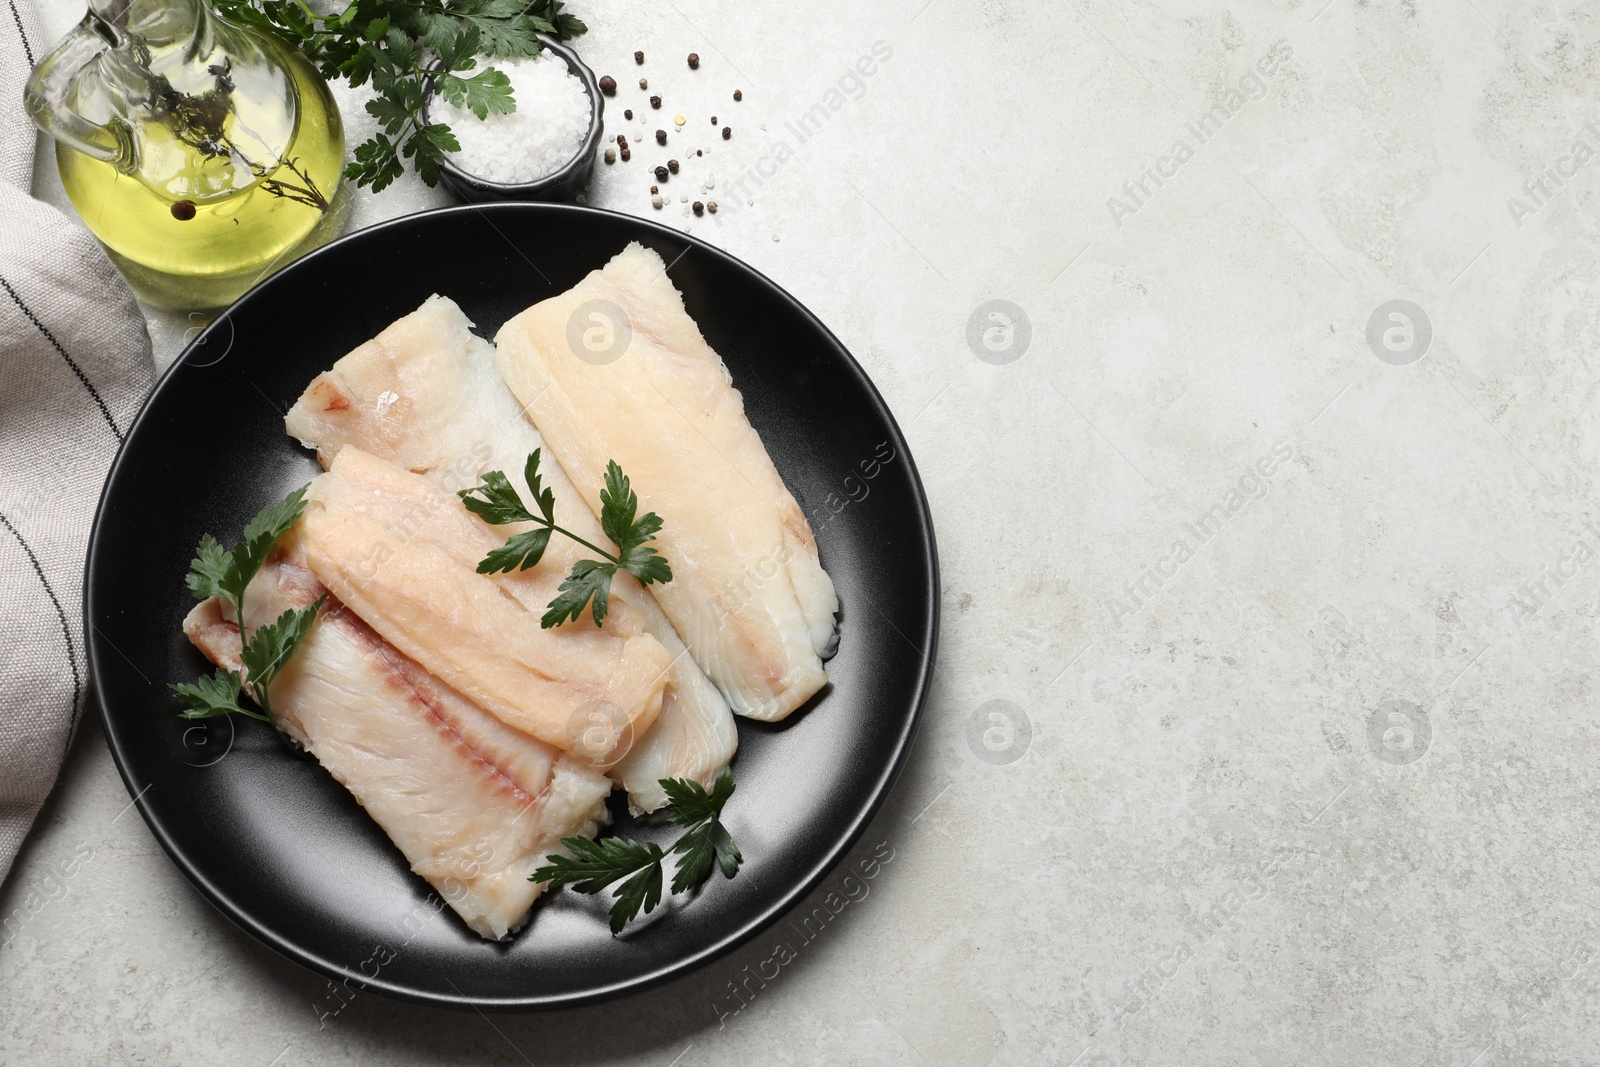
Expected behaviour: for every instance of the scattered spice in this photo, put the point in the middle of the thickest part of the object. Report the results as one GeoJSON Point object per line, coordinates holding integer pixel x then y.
{"type": "Point", "coordinates": [183, 210]}
{"type": "Point", "coordinates": [644, 83]}
{"type": "Point", "coordinates": [694, 61]}
{"type": "Point", "coordinates": [727, 132]}
{"type": "Point", "coordinates": [679, 119]}
{"type": "Point", "coordinates": [672, 165]}
{"type": "Point", "coordinates": [712, 207]}
{"type": "Point", "coordinates": [638, 57]}
{"type": "Point", "coordinates": [622, 147]}
{"type": "Point", "coordinates": [738, 94]}
{"type": "Point", "coordinates": [661, 136]}
{"type": "Point", "coordinates": [628, 114]}
{"type": "Point", "coordinates": [656, 201]}
{"type": "Point", "coordinates": [654, 189]}
{"type": "Point", "coordinates": [713, 120]}
{"type": "Point", "coordinates": [608, 85]}
{"type": "Point", "coordinates": [655, 102]}
{"type": "Point", "coordinates": [611, 155]}
{"type": "Point", "coordinates": [699, 208]}
{"type": "Point", "coordinates": [661, 174]}
{"type": "Point", "coordinates": [698, 152]}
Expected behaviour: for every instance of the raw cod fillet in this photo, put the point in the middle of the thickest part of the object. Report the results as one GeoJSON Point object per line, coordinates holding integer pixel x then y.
{"type": "Point", "coordinates": [402, 553]}
{"type": "Point", "coordinates": [749, 595]}
{"type": "Point", "coordinates": [474, 805]}
{"type": "Point", "coordinates": [425, 395]}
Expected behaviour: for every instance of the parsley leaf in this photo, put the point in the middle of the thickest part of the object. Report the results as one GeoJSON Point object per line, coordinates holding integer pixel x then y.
{"type": "Point", "coordinates": [217, 572]}
{"type": "Point", "coordinates": [211, 696]}
{"type": "Point", "coordinates": [496, 502]}
{"type": "Point", "coordinates": [589, 578]}
{"type": "Point", "coordinates": [594, 865]}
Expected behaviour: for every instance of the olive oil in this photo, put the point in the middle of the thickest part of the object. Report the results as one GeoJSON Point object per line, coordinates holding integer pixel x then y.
{"type": "Point", "coordinates": [203, 217]}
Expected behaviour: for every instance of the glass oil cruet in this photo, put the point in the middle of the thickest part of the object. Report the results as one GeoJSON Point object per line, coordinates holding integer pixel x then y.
{"type": "Point", "coordinates": [202, 154]}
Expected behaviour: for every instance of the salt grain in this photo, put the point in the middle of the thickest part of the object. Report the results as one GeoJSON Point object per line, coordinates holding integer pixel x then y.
{"type": "Point", "coordinates": [539, 138]}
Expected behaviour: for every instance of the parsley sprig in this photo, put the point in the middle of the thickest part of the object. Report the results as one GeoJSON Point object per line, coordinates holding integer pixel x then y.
{"type": "Point", "coordinates": [392, 43]}
{"type": "Point", "coordinates": [705, 843]}
{"type": "Point", "coordinates": [219, 572]}
{"type": "Point", "coordinates": [589, 583]}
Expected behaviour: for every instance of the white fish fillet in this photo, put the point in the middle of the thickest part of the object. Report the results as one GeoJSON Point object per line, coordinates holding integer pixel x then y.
{"type": "Point", "coordinates": [749, 595]}
{"type": "Point", "coordinates": [425, 395]}
{"type": "Point", "coordinates": [474, 805]}
{"type": "Point", "coordinates": [402, 553]}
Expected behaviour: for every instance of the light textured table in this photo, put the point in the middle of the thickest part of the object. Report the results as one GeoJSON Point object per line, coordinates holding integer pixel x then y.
{"type": "Point", "coordinates": [1320, 787]}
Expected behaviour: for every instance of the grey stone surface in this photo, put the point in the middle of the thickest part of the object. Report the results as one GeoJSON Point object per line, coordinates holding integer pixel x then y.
{"type": "Point", "coordinates": [1320, 786]}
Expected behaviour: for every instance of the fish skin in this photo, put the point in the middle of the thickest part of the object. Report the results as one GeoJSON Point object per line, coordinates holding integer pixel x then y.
{"type": "Point", "coordinates": [474, 805]}
{"type": "Point", "coordinates": [402, 554]}
{"type": "Point", "coordinates": [425, 395]}
{"type": "Point", "coordinates": [749, 596]}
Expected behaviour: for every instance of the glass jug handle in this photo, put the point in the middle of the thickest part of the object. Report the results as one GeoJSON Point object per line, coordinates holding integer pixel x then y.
{"type": "Point", "coordinates": [49, 87]}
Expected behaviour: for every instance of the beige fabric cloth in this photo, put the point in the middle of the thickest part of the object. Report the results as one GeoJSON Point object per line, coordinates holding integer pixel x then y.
{"type": "Point", "coordinates": [74, 368]}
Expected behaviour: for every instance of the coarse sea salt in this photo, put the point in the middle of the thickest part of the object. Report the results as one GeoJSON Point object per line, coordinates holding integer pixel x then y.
{"type": "Point", "coordinates": [539, 138]}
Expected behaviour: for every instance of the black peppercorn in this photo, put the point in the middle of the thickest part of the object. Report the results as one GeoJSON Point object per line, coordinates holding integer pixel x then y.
{"type": "Point", "coordinates": [672, 165]}
{"type": "Point", "coordinates": [608, 85]}
{"type": "Point", "coordinates": [694, 61]}
{"type": "Point", "coordinates": [661, 136]}
{"type": "Point", "coordinates": [655, 102]}
{"type": "Point", "coordinates": [638, 57]}
{"type": "Point", "coordinates": [183, 210]}
{"type": "Point", "coordinates": [661, 174]}
{"type": "Point", "coordinates": [727, 132]}
{"type": "Point", "coordinates": [699, 208]}
{"type": "Point", "coordinates": [738, 94]}
{"type": "Point", "coordinates": [628, 114]}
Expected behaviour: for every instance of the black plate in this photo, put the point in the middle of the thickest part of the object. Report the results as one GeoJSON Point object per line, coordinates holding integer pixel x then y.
{"type": "Point", "coordinates": [279, 846]}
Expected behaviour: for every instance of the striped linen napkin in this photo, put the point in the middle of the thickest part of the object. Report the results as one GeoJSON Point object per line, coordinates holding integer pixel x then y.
{"type": "Point", "coordinates": [74, 368]}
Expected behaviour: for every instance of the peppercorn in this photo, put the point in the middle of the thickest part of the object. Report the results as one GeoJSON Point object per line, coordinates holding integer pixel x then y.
{"type": "Point", "coordinates": [738, 94]}
{"type": "Point", "coordinates": [727, 133]}
{"type": "Point", "coordinates": [628, 114]}
{"type": "Point", "coordinates": [656, 202]}
{"type": "Point", "coordinates": [661, 174]}
{"type": "Point", "coordinates": [638, 57]}
{"type": "Point", "coordinates": [713, 120]}
{"type": "Point", "coordinates": [712, 207]}
{"type": "Point", "coordinates": [661, 137]}
{"type": "Point", "coordinates": [183, 210]}
{"type": "Point", "coordinates": [626, 155]}
{"type": "Point", "coordinates": [611, 155]}
{"type": "Point", "coordinates": [694, 61]}
{"type": "Point", "coordinates": [699, 208]}
{"type": "Point", "coordinates": [672, 165]}
{"type": "Point", "coordinates": [654, 189]}
{"type": "Point", "coordinates": [608, 85]}
{"type": "Point", "coordinates": [622, 141]}
{"type": "Point", "coordinates": [644, 83]}
{"type": "Point", "coordinates": [698, 152]}
{"type": "Point", "coordinates": [655, 102]}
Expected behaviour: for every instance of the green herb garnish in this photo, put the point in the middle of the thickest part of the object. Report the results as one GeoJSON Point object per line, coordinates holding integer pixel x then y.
{"type": "Point", "coordinates": [392, 43]}
{"type": "Point", "coordinates": [589, 583]}
{"type": "Point", "coordinates": [594, 865]}
{"type": "Point", "coordinates": [218, 572]}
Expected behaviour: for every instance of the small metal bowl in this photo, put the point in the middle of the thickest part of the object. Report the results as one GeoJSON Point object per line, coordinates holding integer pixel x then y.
{"type": "Point", "coordinates": [563, 184]}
